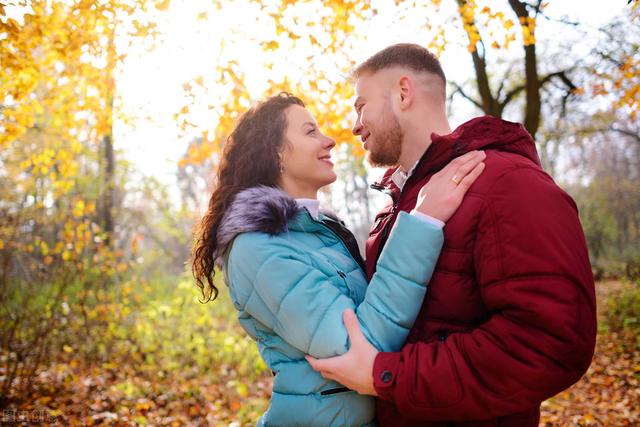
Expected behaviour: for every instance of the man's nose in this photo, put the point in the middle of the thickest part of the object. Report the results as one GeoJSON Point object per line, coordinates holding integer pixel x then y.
{"type": "Point", "coordinates": [357, 127]}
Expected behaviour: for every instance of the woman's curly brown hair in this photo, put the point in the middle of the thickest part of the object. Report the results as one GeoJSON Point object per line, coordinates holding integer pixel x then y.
{"type": "Point", "coordinates": [250, 157]}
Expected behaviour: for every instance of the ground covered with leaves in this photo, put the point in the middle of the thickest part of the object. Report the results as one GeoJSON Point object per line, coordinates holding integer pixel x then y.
{"type": "Point", "coordinates": [231, 388]}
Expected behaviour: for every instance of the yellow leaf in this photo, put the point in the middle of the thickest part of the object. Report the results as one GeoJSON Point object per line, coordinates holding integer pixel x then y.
{"type": "Point", "coordinates": [163, 5]}
{"type": "Point", "coordinates": [78, 210]}
{"type": "Point", "coordinates": [242, 390]}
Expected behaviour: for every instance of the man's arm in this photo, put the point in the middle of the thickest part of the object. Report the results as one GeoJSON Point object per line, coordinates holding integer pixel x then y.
{"type": "Point", "coordinates": [534, 275]}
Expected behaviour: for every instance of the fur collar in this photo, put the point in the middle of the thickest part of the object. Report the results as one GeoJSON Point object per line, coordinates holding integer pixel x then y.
{"type": "Point", "coordinates": [260, 208]}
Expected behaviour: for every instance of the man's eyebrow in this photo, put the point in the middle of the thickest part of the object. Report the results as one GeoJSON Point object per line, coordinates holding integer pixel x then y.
{"type": "Point", "coordinates": [313, 125]}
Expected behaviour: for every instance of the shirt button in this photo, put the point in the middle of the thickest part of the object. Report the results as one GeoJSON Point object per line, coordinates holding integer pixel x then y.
{"type": "Point", "coordinates": [386, 376]}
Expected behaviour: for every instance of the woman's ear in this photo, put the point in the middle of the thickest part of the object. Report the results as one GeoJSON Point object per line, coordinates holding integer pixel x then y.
{"type": "Point", "coordinates": [280, 161]}
{"type": "Point", "coordinates": [283, 154]}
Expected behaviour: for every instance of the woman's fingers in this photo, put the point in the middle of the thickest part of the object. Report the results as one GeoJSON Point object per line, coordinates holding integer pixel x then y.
{"type": "Point", "coordinates": [453, 166]}
{"type": "Point", "coordinates": [444, 197]}
{"type": "Point", "coordinates": [470, 178]}
{"type": "Point", "coordinates": [467, 167]}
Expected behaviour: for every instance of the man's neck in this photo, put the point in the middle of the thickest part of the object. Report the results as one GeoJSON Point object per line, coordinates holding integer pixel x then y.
{"type": "Point", "coordinates": [417, 139]}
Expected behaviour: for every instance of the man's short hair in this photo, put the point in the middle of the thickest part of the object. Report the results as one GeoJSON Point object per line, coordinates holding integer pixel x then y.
{"type": "Point", "coordinates": [412, 56]}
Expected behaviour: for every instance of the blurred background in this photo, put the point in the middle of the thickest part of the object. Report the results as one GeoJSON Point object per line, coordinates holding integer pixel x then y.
{"type": "Point", "coordinates": [112, 117]}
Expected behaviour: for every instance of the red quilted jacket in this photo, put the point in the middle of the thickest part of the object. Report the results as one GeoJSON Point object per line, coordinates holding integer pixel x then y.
{"type": "Point", "coordinates": [509, 319]}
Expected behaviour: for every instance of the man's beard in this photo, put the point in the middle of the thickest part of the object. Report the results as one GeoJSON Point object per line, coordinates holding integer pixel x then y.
{"type": "Point", "coordinates": [387, 145]}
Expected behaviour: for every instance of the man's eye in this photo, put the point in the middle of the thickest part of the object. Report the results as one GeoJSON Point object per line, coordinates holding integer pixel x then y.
{"type": "Point", "coordinates": [311, 131]}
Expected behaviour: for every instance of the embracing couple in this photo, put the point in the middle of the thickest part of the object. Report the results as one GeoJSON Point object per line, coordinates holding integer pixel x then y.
{"type": "Point", "coordinates": [476, 299]}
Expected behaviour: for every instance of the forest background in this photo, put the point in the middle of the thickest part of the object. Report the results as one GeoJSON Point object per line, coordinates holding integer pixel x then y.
{"type": "Point", "coordinates": [112, 117]}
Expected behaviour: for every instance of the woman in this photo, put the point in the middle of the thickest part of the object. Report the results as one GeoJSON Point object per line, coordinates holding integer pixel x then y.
{"type": "Point", "coordinates": [293, 270]}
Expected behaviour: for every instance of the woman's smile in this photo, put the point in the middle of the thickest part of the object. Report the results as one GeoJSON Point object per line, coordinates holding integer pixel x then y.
{"type": "Point", "coordinates": [326, 159]}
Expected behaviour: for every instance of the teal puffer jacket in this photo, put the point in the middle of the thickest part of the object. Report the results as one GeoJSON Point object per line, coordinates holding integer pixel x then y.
{"type": "Point", "coordinates": [290, 277]}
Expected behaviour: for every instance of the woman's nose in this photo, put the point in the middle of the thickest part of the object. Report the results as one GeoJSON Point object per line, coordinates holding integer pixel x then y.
{"type": "Point", "coordinates": [329, 143]}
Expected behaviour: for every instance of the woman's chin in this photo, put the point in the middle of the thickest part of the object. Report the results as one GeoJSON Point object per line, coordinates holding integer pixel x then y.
{"type": "Point", "coordinates": [330, 179]}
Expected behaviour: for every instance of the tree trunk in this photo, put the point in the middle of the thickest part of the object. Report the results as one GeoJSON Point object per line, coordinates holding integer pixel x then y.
{"type": "Point", "coordinates": [108, 197]}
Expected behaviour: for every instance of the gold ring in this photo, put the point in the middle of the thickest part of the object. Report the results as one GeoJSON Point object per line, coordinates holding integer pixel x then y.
{"type": "Point", "coordinates": [455, 179]}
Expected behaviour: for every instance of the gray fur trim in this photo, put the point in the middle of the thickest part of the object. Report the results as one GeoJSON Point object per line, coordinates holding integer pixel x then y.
{"type": "Point", "coordinates": [260, 208]}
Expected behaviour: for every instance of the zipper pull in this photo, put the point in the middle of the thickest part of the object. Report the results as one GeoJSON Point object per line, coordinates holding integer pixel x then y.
{"type": "Point", "coordinates": [381, 188]}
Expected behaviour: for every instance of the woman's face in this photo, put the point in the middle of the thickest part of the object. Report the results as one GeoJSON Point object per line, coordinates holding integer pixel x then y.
{"type": "Point", "coordinates": [306, 153]}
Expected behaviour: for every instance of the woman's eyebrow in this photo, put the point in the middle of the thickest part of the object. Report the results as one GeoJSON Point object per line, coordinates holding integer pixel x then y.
{"type": "Point", "coordinates": [313, 125]}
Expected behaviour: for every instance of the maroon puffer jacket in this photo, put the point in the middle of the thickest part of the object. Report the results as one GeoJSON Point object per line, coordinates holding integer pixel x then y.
{"type": "Point", "coordinates": [509, 318]}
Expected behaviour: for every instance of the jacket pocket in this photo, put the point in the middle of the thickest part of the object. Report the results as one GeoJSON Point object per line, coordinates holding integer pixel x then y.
{"type": "Point", "coordinates": [335, 390]}
{"type": "Point", "coordinates": [348, 287]}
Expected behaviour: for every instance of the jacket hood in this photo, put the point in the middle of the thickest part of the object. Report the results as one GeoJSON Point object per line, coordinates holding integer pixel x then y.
{"type": "Point", "coordinates": [491, 133]}
{"type": "Point", "coordinates": [480, 133]}
{"type": "Point", "coordinates": [260, 208]}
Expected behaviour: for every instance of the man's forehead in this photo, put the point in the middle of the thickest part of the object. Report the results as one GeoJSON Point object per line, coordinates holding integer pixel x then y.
{"type": "Point", "coordinates": [363, 84]}
{"type": "Point", "coordinates": [368, 82]}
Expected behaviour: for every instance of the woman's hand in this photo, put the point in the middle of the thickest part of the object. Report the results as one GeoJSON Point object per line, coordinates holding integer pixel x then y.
{"type": "Point", "coordinates": [442, 195]}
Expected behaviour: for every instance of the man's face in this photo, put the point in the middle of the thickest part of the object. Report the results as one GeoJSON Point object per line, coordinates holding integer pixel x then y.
{"type": "Point", "coordinates": [377, 124]}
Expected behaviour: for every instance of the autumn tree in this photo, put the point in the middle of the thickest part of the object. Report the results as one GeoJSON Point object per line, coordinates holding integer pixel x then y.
{"type": "Point", "coordinates": [58, 100]}
{"type": "Point", "coordinates": [308, 48]}
{"type": "Point", "coordinates": [606, 141]}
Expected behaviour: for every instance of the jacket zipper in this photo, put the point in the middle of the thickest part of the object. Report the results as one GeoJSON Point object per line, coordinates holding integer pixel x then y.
{"type": "Point", "coordinates": [385, 230]}
{"type": "Point", "coordinates": [326, 227]}
{"type": "Point", "coordinates": [343, 275]}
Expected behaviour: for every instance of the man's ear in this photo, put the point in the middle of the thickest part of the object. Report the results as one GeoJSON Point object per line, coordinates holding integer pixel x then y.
{"type": "Point", "coordinates": [407, 92]}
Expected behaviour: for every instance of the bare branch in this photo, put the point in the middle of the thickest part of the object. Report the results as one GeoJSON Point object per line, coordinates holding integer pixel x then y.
{"type": "Point", "coordinates": [562, 75]}
{"type": "Point", "coordinates": [561, 20]}
{"type": "Point", "coordinates": [503, 80]}
{"type": "Point", "coordinates": [510, 95]}
{"type": "Point", "coordinates": [464, 95]}
{"type": "Point", "coordinates": [626, 132]}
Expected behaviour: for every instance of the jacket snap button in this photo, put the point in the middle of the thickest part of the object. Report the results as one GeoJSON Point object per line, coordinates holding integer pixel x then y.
{"type": "Point", "coordinates": [442, 336]}
{"type": "Point", "coordinates": [386, 376]}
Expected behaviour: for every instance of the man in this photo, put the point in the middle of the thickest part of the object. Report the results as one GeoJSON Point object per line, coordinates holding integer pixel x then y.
{"type": "Point", "coordinates": [509, 317]}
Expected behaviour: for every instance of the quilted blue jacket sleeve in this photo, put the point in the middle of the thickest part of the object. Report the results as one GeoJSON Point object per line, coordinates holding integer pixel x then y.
{"type": "Point", "coordinates": [277, 283]}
